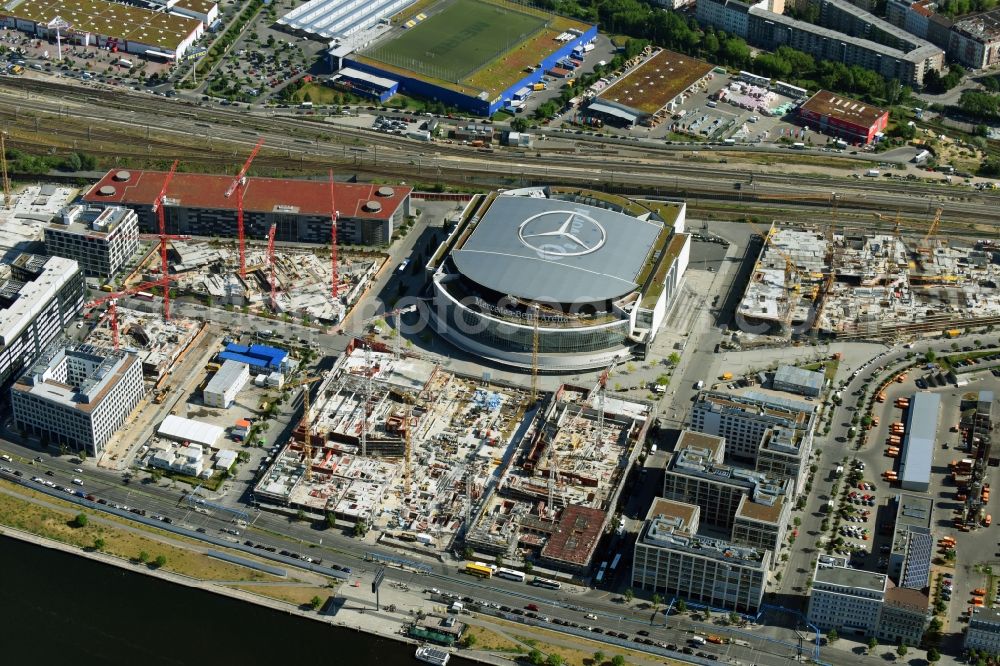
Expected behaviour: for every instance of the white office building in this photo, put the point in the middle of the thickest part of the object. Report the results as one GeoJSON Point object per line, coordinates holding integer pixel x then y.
{"type": "Point", "coordinates": [773, 434]}
{"type": "Point", "coordinates": [77, 396]}
{"type": "Point", "coordinates": [101, 240]}
{"type": "Point", "coordinates": [39, 297]}
{"type": "Point", "coordinates": [864, 603]}
{"type": "Point", "coordinates": [228, 381]}
{"type": "Point", "coordinates": [671, 558]}
{"type": "Point", "coordinates": [848, 600]}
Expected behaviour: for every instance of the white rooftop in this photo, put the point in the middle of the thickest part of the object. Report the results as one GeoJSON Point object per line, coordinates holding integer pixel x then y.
{"type": "Point", "coordinates": [189, 430]}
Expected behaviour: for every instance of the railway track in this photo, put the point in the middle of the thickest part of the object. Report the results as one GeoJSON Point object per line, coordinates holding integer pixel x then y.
{"type": "Point", "coordinates": [303, 140]}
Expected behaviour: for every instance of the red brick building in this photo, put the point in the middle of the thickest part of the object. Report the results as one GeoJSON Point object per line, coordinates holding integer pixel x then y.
{"type": "Point", "coordinates": [844, 118]}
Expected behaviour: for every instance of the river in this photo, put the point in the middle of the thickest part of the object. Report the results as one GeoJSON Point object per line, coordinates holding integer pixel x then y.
{"type": "Point", "coordinates": [57, 606]}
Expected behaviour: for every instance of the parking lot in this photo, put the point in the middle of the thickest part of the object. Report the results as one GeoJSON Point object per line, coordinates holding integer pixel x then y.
{"type": "Point", "coordinates": [953, 581]}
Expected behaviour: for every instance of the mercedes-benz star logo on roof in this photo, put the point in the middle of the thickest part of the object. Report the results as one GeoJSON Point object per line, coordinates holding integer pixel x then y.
{"type": "Point", "coordinates": [562, 233]}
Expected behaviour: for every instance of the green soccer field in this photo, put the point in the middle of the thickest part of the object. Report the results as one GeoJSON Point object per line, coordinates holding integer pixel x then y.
{"type": "Point", "coordinates": [458, 39]}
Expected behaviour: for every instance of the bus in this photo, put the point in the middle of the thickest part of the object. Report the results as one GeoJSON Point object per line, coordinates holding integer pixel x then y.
{"type": "Point", "coordinates": [600, 573]}
{"type": "Point", "coordinates": [614, 562]}
{"type": "Point", "coordinates": [545, 582]}
{"type": "Point", "coordinates": [479, 569]}
{"type": "Point", "coordinates": [510, 574]}
{"type": "Point", "coordinates": [403, 265]}
{"type": "Point", "coordinates": [144, 295]}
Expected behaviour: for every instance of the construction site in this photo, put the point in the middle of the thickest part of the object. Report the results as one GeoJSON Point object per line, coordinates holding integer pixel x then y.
{"type": "Point", "coordinates": [302, 282]}
{"type": "Point", "coordinates": [557, 497]}
{"type": "Point", "coordinates": [397, 442]}
{"type": "Point", "coordinates": [851, 283]}
{"type": "Point", "coordinates": [435, 458]}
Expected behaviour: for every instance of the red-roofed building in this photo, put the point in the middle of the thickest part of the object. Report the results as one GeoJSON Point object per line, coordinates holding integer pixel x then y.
{"type": "Point", "coordinates": [196, 205]}
{"type": "Point", "coordinates": [842, 117]}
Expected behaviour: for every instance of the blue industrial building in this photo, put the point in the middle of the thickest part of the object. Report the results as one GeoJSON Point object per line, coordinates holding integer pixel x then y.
{"type": "Point", "coordinates": [478, 105]}
{"type": "Point", "coordinates": [365, 84]}
{"type": "Point", "coordinates": [260, 358]}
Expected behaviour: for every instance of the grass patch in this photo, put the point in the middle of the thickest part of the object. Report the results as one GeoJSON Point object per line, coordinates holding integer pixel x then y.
{"type": "Point", "coordinates": [492, 641]}
{"type": "Point", "coordinates": [829, 368]}
{"type": "Point", "coordinates": [297, 595]}
{"type": "Point", "coordinates": [952, 359]}
{"type": "Point", "coordinates": [317, 93]}
{"type": "Point", "coordinates": [54, 524]}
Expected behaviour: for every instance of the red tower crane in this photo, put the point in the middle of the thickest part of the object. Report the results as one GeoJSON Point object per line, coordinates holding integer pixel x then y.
{"type": "Point", "coordinates": [112, 301]}
{"type": "Point", "coordinates": [333, 239]}
{"type": "Point", "coordinates": [237, 186]}
{"type": "Point", "coordinates": [270, 265]}
{"type": "Point", "coordinates": [158, 209]}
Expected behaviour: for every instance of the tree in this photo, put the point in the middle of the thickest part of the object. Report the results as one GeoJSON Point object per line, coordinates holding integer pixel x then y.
{"type": "Point", "coordinates": [360, 528]}
{"type": "Point", "coordinates": [734, 618]}
{"type": "Point", "coordinates": [300, 515]}
{"type": "Point", "coordinates": [498, 560]}
{"type": "Point", "coordinates": [901, 650]}
{"type": "Point", "coordinates": [674, 358]}
{"type": "Point", "coordinates": [599, 658]}
{"type": "Point", "coordinates": [519, 124]}
{"type": "Point", "coordinates": [528, 566]}
{"type": "Point", "coordinates": [554, 660]}
{"type": "Point", "coordinates": [331, 520]}
{"type": "Point", "coordinates": [933, 655]}
{"type": "Point", "coordinates": [930, 356]}
{"type": "Point", "coordinates": [80, 520]}
{"type": "Point", "coordinates": [617, 660]}
{"type": "Point", "coordinates": [629, 595]}
{"type": "Point", "coordinates": [160, 561]}
{"type": "Point", "coordinates": [797, 521]}
{"type": "Point", "coordinates": [315, 602]}
{"type": "Point", "coordinates": [681, 606]}
{"type": "Point", "coordinates": [467, 553]}
{"type": "Point", "coordinates": [872, 643]}
{"type": "Point", "coordinates": [98, 544]}
{"type": "Point", "coordinates": [469, 640]}
{"type": "Point", "coordinates": [832, 636]}
{"type": "Point", "coordinates": [657, 600]}
{"type": "Point", "coordinates": [143, 556]}
{"type": "Point", "coordinates": [536, 657]}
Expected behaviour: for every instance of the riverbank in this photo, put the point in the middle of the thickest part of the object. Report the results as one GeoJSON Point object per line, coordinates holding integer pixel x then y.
{"type": "Point", "coordinates": [349, 606]}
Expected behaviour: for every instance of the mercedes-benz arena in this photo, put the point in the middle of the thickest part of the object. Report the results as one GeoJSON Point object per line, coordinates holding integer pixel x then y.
{"type": "Point", "coordinates": [592, 275]}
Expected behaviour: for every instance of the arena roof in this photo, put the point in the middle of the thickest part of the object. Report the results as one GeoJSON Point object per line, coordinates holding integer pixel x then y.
{"type": "Point", "coordinates": [556, 251]}
{"type": "Point", "coordinates": [263, 195]}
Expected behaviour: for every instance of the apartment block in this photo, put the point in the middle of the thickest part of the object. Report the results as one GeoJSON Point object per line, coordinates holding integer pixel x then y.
{"type": "Point", "coordinates": [77, 395]}
{"type": "Point", "coordinates": [854, 21]}
{"type": "Point", "coordinates": [751, 505]}
{"type": "Point", "coordinates": [39, 297]}
{"type": "Point", "coordinates": [974, 41]}
{"type": "Point", "coordinates": [984, 631]}
{"type": "Point", "coordinates": [101, 240]}
{"type": "Point", "coordinates": [768, 30]}
{"type": "Point", "coordinates": [672, 559]}
{"type": "Point", "coordinates": [904, 617]}
{"type": "Point", "coordinates": [773, 434]}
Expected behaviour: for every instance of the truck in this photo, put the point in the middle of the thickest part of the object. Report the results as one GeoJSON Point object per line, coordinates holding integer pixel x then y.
{"type": "Point", "coordinates": [952, 333]}
{"type": "Point", "coordinates": [726, 376]}
{"type": "Point", "coordinates": [699, 385]}
{"type": "Point", "coordinates": [697, 640]}
{"type": "Point", "coordinates": [306, 105]}
{"type": "Point", "coordinates": [872, 173]}
{"type": "Point", "coordinates": [718, 640]}
{"type": "Point", "coordinates": [538, 86]}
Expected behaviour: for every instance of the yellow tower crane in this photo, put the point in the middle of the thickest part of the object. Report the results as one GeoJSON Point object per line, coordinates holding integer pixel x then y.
{"type": "Point", "coordinates": [935, 223]}
{"type": "Point", "coordinates": [306, 422]}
